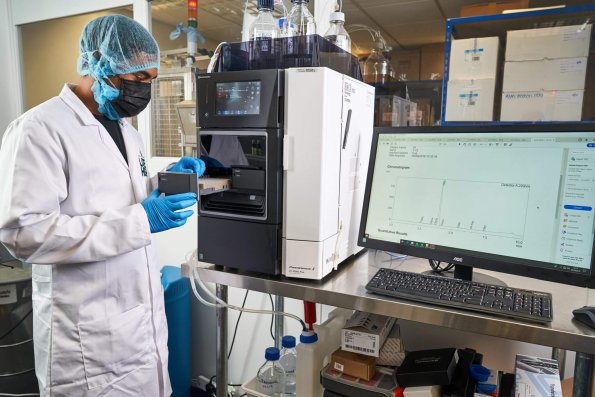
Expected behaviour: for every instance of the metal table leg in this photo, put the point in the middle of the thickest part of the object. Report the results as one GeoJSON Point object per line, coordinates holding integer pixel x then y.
{"type": "Point", "coordinates": [279, 320]}
{"type": "Point", "coordinates": [560, 356]}
{"type": "Point", "coordinates": [222, 374]}
{"type": "Point", "coordinates": [583, 375]}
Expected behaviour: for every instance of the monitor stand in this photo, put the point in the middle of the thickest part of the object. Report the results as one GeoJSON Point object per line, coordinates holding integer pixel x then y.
{"type": "Point", "coordinates": [467, 273]}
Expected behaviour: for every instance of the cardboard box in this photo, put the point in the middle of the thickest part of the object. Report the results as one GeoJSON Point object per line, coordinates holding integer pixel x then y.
{"type": "Point", "coordinates": [427, 368]}
{"type": "Point", "coordinates": [548, 43]}
{"type": "Point", "coordinates": [353, 364]}
{"type": "Point", "coordinates": [474, 58]}
{"type": "Point", "coordinates": [406, 64]}
{"type": "Point", "coordinates": [545, 74]}
{"type": "Point", "coordinates": [432, 62]}
{"type": "Point", "coordinates": [470, 100]}
{"type": "Point", "coordinates": [542, 106]}
{"type": "Point", "coordinates": [365, 333]}
{"type": "Point", "coordinates": [392, 353]}
{"type": "Point", "coordinates": [537, 377]}
{"type": "Point", "coordinates": [496, 7]}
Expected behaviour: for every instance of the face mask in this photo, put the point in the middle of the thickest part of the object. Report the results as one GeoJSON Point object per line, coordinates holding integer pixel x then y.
{"type": "Point", "coordinates": [133, 99]}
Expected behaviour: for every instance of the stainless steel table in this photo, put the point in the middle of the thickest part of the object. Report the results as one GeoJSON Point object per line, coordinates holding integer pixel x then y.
{"type": "Point", "coordinates": [345, 288]}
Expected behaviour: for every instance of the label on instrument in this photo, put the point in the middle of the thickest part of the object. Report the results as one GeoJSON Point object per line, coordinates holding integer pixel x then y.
{"type": "Point", "coordinates": [8, 294]}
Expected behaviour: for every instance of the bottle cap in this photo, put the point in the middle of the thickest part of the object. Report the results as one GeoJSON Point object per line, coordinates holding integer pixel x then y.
{"type": "Point", "coordinates": [337, 16]}
{"type": "Point", "coordinates": [398, 392]}
{"type": "Point", "coordinates": [288, 341]}
{"type": "Point", "coordinates": [479, 373]}
{"type": "Point", "coordinates": [265, 4]}
{"type": "Point", "coordinates": [308, 337]}
{"type": "Point", "coordinates": [271, 354]}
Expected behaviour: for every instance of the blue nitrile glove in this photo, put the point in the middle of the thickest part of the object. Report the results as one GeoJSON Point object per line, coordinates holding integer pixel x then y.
{"type": "Point", "coordinates": [161, 211]}
{"type": "Point", "coordinates": [189, 165]}
{"type": "Point", "coordinates": [211, 162]}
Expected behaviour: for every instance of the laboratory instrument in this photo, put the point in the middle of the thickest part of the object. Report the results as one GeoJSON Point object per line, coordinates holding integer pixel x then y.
{"type": "Point", "coordinates": [514, 199]}
{"type": "Point", "coordinates": [265, 26]}
{"type": "Point", "coordinates": [263, 34]}
{"type": "Point", "coordinates": [170, 183]}
{"type": "Point", "coordinates": [193, 36]}
{"type": "Point", "coordinates": [336, 33]}
{"type": "Point", "coordinates": [510, 302]}
{"type": "Point", "coordinates": [377, 68]}
{"type": "Point", "coordinates": [297, 182]}
{"type": "Point", "coordinates": [288, 362]}
{"type": "Point", "coordinates": [271, 376]}
{"type": "Point", "coordinates": [299, 21]}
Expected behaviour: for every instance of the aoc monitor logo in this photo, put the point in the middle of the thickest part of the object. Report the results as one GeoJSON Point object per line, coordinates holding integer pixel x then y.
{"type": "Point", "coordinates": [457, 259]}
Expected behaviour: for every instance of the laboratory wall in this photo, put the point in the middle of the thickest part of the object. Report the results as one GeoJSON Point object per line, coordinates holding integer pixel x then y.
{"type": "Point", "coordinates": [50, 50]}
{"type": "Point", "coordinates": [8, 106]}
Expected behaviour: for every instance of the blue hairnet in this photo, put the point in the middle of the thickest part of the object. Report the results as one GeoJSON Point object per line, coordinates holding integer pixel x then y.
{"type": "Point", "coordinates": [123, 46]}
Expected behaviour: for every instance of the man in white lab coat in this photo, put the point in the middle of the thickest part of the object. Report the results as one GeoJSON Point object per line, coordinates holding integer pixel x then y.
{"type": "Point", "coordinates": [75, 202]}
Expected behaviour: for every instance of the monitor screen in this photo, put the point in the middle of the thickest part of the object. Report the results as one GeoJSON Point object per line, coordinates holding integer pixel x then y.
{"type": "Point", "coordinates": [238, 98]}
{"type": "Point", "coordinates": [506, 200]}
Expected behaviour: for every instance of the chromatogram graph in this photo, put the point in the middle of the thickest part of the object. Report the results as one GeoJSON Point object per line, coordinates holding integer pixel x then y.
{"type": "Point", "coordinates": [483, 207]}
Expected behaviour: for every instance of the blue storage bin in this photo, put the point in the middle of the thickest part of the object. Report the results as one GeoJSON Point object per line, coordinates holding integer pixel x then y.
{"type": "Point", "coordinates": [177, 311]}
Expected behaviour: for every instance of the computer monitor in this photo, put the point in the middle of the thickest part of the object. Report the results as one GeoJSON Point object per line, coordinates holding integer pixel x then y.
{"type": "Point", "coordinates": [514, 199]}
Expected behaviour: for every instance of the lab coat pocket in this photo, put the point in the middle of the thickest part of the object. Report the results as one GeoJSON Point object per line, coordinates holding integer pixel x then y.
{"type": "Point", "coordinates": [115, 346]}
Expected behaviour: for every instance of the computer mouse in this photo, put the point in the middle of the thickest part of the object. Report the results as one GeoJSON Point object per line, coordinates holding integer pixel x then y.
{"type": "Point", "coordinates": [585, 315]}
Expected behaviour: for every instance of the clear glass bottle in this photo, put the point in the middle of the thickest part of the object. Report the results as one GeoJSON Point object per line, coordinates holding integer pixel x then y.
{"type": "Point", "coordinates": [288, 362]}
{"type": "Point", "coordinates": [377, 69]}
{"type": "Point", "coordinates": [337, 34]}
{"type": "Point", "coordinates": [299, 21]}
{"type": "Point", "coordinates": [265, 26]}
{"type": "Point", "coordinates": [271, 376]}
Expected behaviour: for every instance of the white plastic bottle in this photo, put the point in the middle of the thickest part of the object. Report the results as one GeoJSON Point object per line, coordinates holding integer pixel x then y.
{"type": "Point", "coordinates": [288, 361]}
{"type": "Point", "coordinates": [270, 379]}
{"type": "Point", "coordinates": [299, 21]}
{"type": "Point", "coordinates": [337, 34]}
{"type": "Point", "coordinates": [314, 351]}
{"type": "Point", "coordinates": [309, 360]}
{"type": "Point", "coordinates": [265, 26]}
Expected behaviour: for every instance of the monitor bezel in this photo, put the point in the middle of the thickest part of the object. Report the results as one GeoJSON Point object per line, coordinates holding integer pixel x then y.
{"type": "Point", "coordinates": [516, 266]}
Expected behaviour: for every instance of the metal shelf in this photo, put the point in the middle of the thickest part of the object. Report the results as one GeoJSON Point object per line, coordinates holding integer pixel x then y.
{"type": "Point", "coordinates": [346, 288]}
{"type": "Point", "coordinates": [498, 25]}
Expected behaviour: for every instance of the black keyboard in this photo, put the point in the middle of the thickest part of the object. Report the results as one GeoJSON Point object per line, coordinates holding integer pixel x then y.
{"type": "Point", "coordinates": [510, 302]}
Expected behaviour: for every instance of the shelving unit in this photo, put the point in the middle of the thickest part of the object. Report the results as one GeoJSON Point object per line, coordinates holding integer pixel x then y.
{"type": "Point", "coordinates": [346, 288]}
{"type": "Point", "coordinates": [498, 25]}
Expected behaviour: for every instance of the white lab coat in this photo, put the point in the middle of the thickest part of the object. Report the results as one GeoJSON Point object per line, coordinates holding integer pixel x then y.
{"type": "Point", "coordinates": [69, 205]}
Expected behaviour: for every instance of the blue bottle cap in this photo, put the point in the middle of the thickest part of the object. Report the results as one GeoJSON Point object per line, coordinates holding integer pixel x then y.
{"type": "Point", "coordinates": [271, 354]}
{"type": "Point", "coordinates": [288, 342]}
{"type": "Point", "coordinates": [479, 373]}
{"type": "Point", "coordinates": [308, 337]}
{"type": "Point", "coordinates": [265, 4]}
